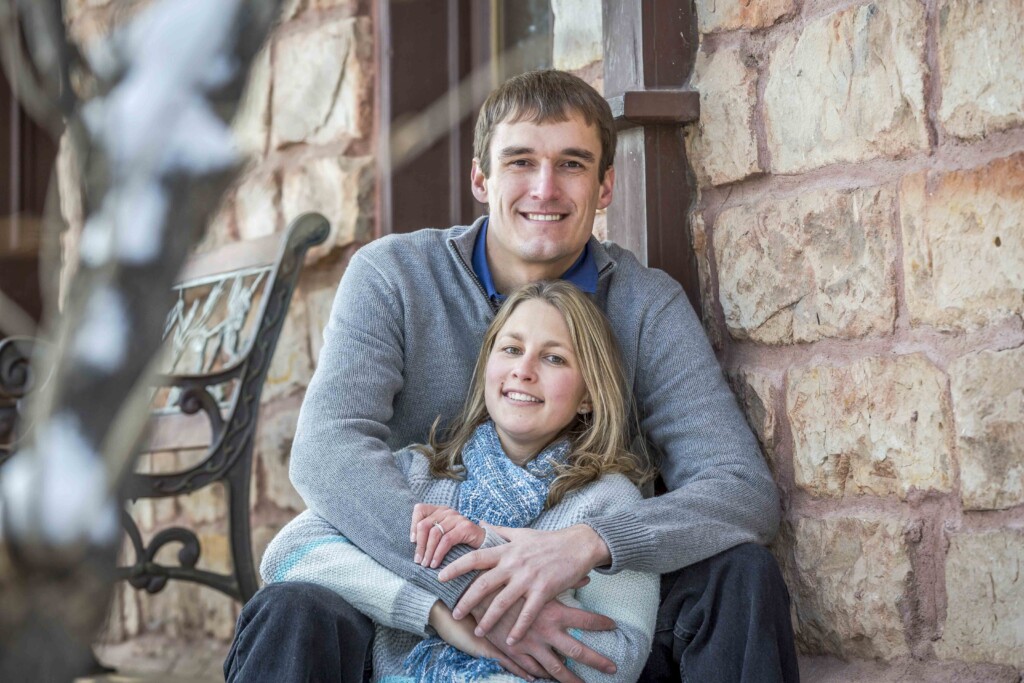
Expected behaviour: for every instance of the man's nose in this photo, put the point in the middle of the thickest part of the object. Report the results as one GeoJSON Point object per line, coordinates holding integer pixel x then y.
{"type": "Point", "coordinates": [545, 185]}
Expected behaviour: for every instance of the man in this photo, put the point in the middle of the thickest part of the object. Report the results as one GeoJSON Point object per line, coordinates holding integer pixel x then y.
{"type": "Point", "coordinates": [407, 321]}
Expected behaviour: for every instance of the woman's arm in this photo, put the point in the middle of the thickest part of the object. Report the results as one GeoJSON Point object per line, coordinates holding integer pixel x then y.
{"type": "Point", "coordinates": [630, 598]}
{"type": "Point", "coordinates": [310, 549]}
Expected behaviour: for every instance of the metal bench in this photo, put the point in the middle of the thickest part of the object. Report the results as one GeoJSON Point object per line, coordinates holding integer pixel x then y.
{"type": "Point", "coordinates": [230, 306]}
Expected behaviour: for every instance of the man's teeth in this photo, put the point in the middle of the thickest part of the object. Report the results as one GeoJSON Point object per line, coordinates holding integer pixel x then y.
{"type": "Point", "coordinates": [516, 396]}
{"type": "Point", "coordinates": [544, 216]}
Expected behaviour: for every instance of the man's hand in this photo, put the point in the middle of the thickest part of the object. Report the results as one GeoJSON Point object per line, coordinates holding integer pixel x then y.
{"type": "Point", "coordinates": [459, 634]}
{"type": "Point", "coordinates": [541, 651]}
{"type": "Point", "coordinates": [534, 565]}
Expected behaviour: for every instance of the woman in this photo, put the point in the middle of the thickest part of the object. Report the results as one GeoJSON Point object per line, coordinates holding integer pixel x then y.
{"type": "Point", "coordinates": [540, 443]}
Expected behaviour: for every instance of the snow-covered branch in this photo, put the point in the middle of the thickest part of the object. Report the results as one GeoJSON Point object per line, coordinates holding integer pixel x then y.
{"type": "Point", "coordinates": [156, 155]}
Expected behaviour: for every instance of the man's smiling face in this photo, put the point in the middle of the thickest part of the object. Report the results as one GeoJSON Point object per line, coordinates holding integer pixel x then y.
{"type": "Point", "coordinates": [542, 195]}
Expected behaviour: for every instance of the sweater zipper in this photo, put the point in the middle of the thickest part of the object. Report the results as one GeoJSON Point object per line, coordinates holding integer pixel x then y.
{"type": "Point", "coordinates": [472, 275]}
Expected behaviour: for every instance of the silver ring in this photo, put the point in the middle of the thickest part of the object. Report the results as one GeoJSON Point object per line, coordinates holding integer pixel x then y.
{"type": "Point", "coordinates": [439, 527]}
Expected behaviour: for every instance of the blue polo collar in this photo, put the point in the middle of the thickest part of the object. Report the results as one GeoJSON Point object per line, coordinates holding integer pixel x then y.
{"type": "Point", "coordinates": [582, 273]}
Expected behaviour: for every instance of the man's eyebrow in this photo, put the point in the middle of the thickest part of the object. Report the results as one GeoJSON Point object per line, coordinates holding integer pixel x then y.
{"type": "Point", "coordinates": [576, 152]}
{"type": "Point", "coordinates": [514, 151]}
{"type": "Point", "coordinates": [579, 153]}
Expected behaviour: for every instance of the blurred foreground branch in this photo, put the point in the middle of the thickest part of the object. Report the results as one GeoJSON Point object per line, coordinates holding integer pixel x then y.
{"type": "Point", "coordinates": [155, 156]}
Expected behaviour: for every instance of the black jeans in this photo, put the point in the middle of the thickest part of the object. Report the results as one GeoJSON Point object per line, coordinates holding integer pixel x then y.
{"type": "Point", "coordinates": [721, 620]}
{"type": "Point", "coordinates": [724, 619]}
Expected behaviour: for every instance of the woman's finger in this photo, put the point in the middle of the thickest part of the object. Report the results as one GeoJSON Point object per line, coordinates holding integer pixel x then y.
{"type": "Point", "coordinates": [433, 538]}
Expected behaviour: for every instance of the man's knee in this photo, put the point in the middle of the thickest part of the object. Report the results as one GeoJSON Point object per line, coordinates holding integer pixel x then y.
{"type": "Point", "coordinates": [294, 601]}
{"type": "Point", "coordinates": [751, 567]}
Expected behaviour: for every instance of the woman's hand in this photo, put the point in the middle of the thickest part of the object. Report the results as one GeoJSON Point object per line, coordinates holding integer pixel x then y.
{"type": "Point", "coordinates": [459, 634]}
{"type": "Point", "coordinates": [436, 529]}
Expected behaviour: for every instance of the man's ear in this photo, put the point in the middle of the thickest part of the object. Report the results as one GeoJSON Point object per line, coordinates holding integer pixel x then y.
{"type": "Point", "coordinates": [604, 197]}
{"type": "Point", "coordinates": [478, 181]}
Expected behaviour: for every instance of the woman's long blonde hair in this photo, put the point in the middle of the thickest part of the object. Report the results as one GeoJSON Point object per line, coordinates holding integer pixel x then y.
{"type": "Point", "coordinates": [598, 439]}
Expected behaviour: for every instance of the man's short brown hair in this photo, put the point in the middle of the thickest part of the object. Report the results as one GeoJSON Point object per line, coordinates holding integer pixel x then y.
{"type": "Point", "coordinates": [541, 97]}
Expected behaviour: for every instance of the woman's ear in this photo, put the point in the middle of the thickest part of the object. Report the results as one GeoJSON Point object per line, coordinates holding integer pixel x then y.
{"type": "Point", "coordinates": [585, 406]}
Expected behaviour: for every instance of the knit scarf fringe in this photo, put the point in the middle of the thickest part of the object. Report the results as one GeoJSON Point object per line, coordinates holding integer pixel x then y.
{"type": "Point", "coordinates": [496, 491]}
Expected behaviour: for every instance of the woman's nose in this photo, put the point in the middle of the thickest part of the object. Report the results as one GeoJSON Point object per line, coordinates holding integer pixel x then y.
{"type": "Point", "coordinates": [524, 369]}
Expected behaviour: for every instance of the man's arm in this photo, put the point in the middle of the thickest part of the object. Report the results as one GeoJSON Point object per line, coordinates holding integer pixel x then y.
{"type": "Point", "coordinates": [720, 492]}
{"type": "Point", "coordinates": [340, 462]}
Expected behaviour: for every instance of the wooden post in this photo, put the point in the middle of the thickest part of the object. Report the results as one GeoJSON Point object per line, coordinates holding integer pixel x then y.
{"type": "Point", "coordinates": [649, 51]}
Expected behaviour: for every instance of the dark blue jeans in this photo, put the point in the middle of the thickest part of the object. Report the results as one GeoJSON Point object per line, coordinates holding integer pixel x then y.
{"type": "Point", "coordinates": [291, 632]}
{"type": "Point", "coordinates": [724, 619]}
{"type": "Point", "coordinates": [721, 620]}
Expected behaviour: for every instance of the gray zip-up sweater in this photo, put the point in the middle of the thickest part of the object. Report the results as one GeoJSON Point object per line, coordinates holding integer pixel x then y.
{"type": "Point", "coordinates": [405, 330]}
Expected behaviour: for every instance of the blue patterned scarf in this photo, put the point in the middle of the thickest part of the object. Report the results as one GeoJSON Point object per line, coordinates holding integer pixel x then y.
{"type": "Point", "coordinates": [496, 491]}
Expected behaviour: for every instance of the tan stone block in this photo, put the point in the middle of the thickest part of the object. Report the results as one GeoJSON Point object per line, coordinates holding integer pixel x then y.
{"type": "Point", "coordinates": [807, 268]}
{"type": "Point", "coordinates": [215, 553]}
{"type": "Point", "coordinates": [980, 66]}
{"type": "Point", "coordinates": [701, 250]}
{"type": "Point", "coordinates": [251, 125]}
{"type": "Point", "coordinates": [963, 247]}
{"type": "Point", "coordinates": [256, 201]}
{"type": "Point", "coordinates": [262, 535]}
{"type": "Point", "coordinates": [722, 146]}
{"type": "Point", "coordinates": [274, 446]}
{"type": "Point", "coordinates": [291, 368]}
{"type": "Point", "coordinates": [985, 598]}
{"type": "Point", "coordinates": [221, 228]}
{"type": "Point", "coordinates": [323, 80]}
{"type": "Point", "coordinates": [208, 504]}
{"type": "Point", "coordinates": [577, 38]}
{"type": "Point", "coordinates": [756, 395]}
{"type": "Point", "coordinates": [988, 403]}
{"type": "Point", "coordinates": [292, 8]}
{"type": "Point", "coordinates": [174, 611]}
{"type": "Point", "coordinates": [339, 188]}
{"type": "Point", "coordinates": [876, 427]}
{"type": "Point", "coordinates": [319, 303]}
{"type": "Point", "coordinates": [217, 614]}
{"type": "Point", "coordinates": [131, 620]}
{"type": "Point", "coordinates": [848, 579]}
{"type": "Point", "coordinates": [727, 15]}
{"type": "Point", "coordinates": [850, 87]}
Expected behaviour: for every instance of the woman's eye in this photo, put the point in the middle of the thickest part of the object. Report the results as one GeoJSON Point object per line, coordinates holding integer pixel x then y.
{"type": "Point", "coordinates": [556, 360]}
{"type": "Point", "coordinates": [511, 350]}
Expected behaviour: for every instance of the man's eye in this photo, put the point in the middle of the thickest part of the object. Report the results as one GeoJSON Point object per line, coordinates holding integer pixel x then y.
{"type": "Point", "coordinates": [519, 162]}
{"type": "Point", "coordinates": [574, 164]}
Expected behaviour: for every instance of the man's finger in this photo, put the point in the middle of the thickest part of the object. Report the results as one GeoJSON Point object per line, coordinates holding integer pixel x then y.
{"type": "Point", "coordinates": [556, 668]}
{"type": "Point", "coordinates": [534, 603]}
{"type": "Point", "coordinates": [530, 664]}
{"type": "Point", "coordinates": [578, 652]}
{"type": "Point", "coordinates": [473, 561]}
{"type": "Point", "coordinates": [482, 586]}
{"type": "Point", "coordinates": [488, 650]}
{"type": "Point", "coordinates": [586, 621]}
{"type": "Point", "coordinates": [496, 610]}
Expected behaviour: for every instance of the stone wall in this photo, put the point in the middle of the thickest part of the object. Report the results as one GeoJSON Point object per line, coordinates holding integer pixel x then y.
{"type": "Point", "coordinates": [306, 128]}
{"type": "Point", "coordinates": [860, 230]}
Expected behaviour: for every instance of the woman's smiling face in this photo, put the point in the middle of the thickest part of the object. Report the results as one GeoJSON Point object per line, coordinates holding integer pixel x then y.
{"type": "Point", "coordinates": [533, 387]}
